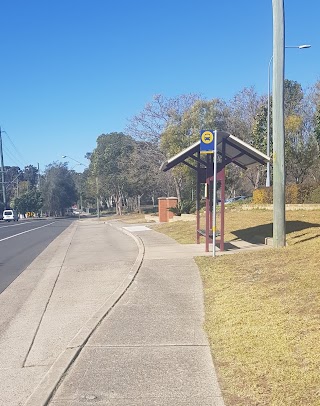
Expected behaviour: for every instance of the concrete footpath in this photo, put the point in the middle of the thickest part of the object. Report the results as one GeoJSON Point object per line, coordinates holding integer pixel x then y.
{"type": "Point", "coordinates": [113, 316]}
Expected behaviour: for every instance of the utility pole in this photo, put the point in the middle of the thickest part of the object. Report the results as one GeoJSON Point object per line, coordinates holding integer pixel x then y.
{"type": "Point", "coordinates": [2, 174]}
{"type": "Point", "coordinates": [279, 207]}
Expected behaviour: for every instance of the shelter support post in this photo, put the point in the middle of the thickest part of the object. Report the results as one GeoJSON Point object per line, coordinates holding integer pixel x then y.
{"type": "Point", "coordinates": [222, 194]}
{"type": "Point", "coordinates": [198, 191]}
{"type": "Point", "coordinates": [207, 203]}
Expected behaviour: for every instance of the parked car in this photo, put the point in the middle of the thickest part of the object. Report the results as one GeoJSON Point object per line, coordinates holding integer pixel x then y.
{"type": "Point", "coordinates": [9, 215]}
{"type": "Point", "coordinates": [236, 199]}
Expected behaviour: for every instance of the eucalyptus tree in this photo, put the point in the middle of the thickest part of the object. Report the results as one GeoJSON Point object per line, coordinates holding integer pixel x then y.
{"type": "Point", "coordinates": [58, 189]}
{"type": "Point", "coordinates": [109, 167]}
{"type": "Point", "coordinates": [30, 174]}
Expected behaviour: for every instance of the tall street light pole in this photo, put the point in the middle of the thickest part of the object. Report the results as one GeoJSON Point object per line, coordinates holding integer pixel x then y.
{"type": "Point", "coordinates": [279, 220]}
{"type": "Point", "coordinates": [268, 179]}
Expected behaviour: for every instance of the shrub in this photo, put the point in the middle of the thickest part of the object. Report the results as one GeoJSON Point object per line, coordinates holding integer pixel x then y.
{"type": "Point", "coordinates": [262, 195]}
{"type": "Point", "coordinates": [295, 194]}
{"type": "Point", "coordinates": [314, 196]}
{"type": "Point", "coordinates": [185, 207]}
{"type": "Point", "coordinates": [292, 193]}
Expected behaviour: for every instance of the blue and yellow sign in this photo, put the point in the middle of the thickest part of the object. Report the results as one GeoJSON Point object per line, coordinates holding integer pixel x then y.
{"type": "Point", "coordinates": [206, 142]}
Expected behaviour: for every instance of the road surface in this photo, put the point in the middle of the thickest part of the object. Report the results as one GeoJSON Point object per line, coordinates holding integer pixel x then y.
{"type": "Point", "coordinates": [21, 242]}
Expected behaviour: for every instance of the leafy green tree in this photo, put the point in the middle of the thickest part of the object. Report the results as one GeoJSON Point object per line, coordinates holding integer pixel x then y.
{"type": "Point", "coordinates": [203, 114]}
{"type": "Point", "coordinates": [109, 167]}
{"type": "Point", "coordinates": [31, 201]}
{"type": "Point", "coordinates": [58, 189]}
{"type": "Point", "coordinates": [259, 131]}
{"type": "Point", "coordinates": [12, 176]}
{"type": "Point", "coordinates": [30, 174]}
{"type": "Point", "coordinates": [293, 96]}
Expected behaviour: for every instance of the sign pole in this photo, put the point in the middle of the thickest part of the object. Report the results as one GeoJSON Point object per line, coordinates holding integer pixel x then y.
{"type": "Point", "coordinates": [208, 145]}
{"type": "Point", "coordinates": [214, 200]}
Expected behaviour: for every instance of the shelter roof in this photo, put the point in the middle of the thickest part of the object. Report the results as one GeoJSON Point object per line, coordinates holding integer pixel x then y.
{"type": "Point", "coordinates": [236, 151]}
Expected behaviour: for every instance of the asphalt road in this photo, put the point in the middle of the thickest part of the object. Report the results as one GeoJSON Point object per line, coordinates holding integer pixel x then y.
{"type": "Point", "coordinates": [21, 242]}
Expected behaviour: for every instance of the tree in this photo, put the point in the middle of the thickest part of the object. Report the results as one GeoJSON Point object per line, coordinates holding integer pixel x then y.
{"type": "Point", "coordinates": [300, 152]}
{"type": "Point", "coordinates": [293, 96]}
{"type": "Point", "coordinates": [317, 125]}
{"type": "Point", "coordinates": [12, 176]}
{"type": "Point", "coordinates": [203, 114]}
{"type": "Point", "coordinates": [59, 190]}
{"type": "Point", "coordinates": [242, 111]}
{"type": "Point", "coordinates": [247, 120]}
{"type": "Point", "coordinates": [108, 167]}
{"type": "Point", "coordinates": [155, 118]}
{"type": "Point", "coordinates": [300, 143]}
{"type": "Point", "coordinates": [30, 202]}
{"type": "Point", "coordinates": [157, 115]}
{"type": "Point", "coordinates": [30, 174]}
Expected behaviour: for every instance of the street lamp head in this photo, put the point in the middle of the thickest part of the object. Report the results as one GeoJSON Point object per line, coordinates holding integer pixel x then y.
{"type": "Point", "coordinates": [64, 156]}
{"type": "Point", "coordinates": [304, 46]}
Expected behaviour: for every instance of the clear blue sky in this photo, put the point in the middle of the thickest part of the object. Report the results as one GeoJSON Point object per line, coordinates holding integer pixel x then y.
{"type": "Point", "coordinates": [71, 70]}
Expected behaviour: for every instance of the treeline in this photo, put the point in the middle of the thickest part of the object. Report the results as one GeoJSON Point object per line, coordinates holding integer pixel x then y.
{"type": "Point", "coordinates": [29, 191]}
{"type": "Point", "coordinates": [123, 170]}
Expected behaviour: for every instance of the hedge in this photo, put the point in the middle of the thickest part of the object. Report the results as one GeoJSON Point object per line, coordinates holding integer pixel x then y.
{"type": "Point", "coordinates": [295, 194]}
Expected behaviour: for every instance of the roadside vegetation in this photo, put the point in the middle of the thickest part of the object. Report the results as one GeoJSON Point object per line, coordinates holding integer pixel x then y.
{"type": "Point", "coordinates": [262, 310]}
{"type": "Point", "coordinates": [122, 173]}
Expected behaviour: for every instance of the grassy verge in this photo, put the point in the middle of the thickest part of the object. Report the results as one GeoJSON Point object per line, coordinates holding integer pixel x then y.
{"type": "Point", "coordinates": [262, 311]}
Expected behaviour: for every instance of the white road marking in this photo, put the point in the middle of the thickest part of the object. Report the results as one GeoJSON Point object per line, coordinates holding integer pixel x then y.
{"type": "Point", "coordinates": [20, 223]}
{"type": "Point", "coordinates": [28, 231]}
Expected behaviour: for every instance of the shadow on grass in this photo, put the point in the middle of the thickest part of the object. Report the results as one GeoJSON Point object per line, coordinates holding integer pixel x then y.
{"type": "Point", "coordinates": [257, 235]}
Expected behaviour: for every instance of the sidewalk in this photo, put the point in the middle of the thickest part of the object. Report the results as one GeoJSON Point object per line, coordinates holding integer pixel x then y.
{"type": "Point", "coordinates": [108, 314]}
{"type": "Point", "coordinates": [57, 300]}
{"type": "Point", "coordinates": [150, 349]}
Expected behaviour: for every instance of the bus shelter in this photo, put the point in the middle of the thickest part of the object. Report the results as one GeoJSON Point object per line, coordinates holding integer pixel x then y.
{"type": "Point", "coordinates": [230, 149]}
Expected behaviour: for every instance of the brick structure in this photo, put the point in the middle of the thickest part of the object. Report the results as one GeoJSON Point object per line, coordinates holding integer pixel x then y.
{"type": "Point", "coordinates": [164, 203]}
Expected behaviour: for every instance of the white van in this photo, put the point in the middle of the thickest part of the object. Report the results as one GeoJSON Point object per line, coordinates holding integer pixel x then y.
{"type": "Point", "coordinates": [9, 215]}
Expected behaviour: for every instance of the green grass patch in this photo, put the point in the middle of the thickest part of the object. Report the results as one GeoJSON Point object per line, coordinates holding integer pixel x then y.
{"type": "Point", "coordinates": [262, 312]}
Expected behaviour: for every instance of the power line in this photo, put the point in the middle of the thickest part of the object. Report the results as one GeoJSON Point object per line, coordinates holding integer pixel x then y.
{"type": "Point", "coordinates": [16, 150]}
{"type": "Point", "coordinates": [13, 158]}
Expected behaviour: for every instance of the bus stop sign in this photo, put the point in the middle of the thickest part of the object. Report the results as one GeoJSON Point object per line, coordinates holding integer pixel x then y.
{"type": "Point", "coordinates": [206, 142]}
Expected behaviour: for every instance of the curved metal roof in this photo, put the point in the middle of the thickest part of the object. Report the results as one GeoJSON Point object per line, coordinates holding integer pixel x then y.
{"type": "Point", "coordinates": [236, 151]}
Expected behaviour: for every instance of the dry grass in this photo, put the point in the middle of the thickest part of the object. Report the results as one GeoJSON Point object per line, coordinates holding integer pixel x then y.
{"type": "Point", "coordinates": [262, 311]}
